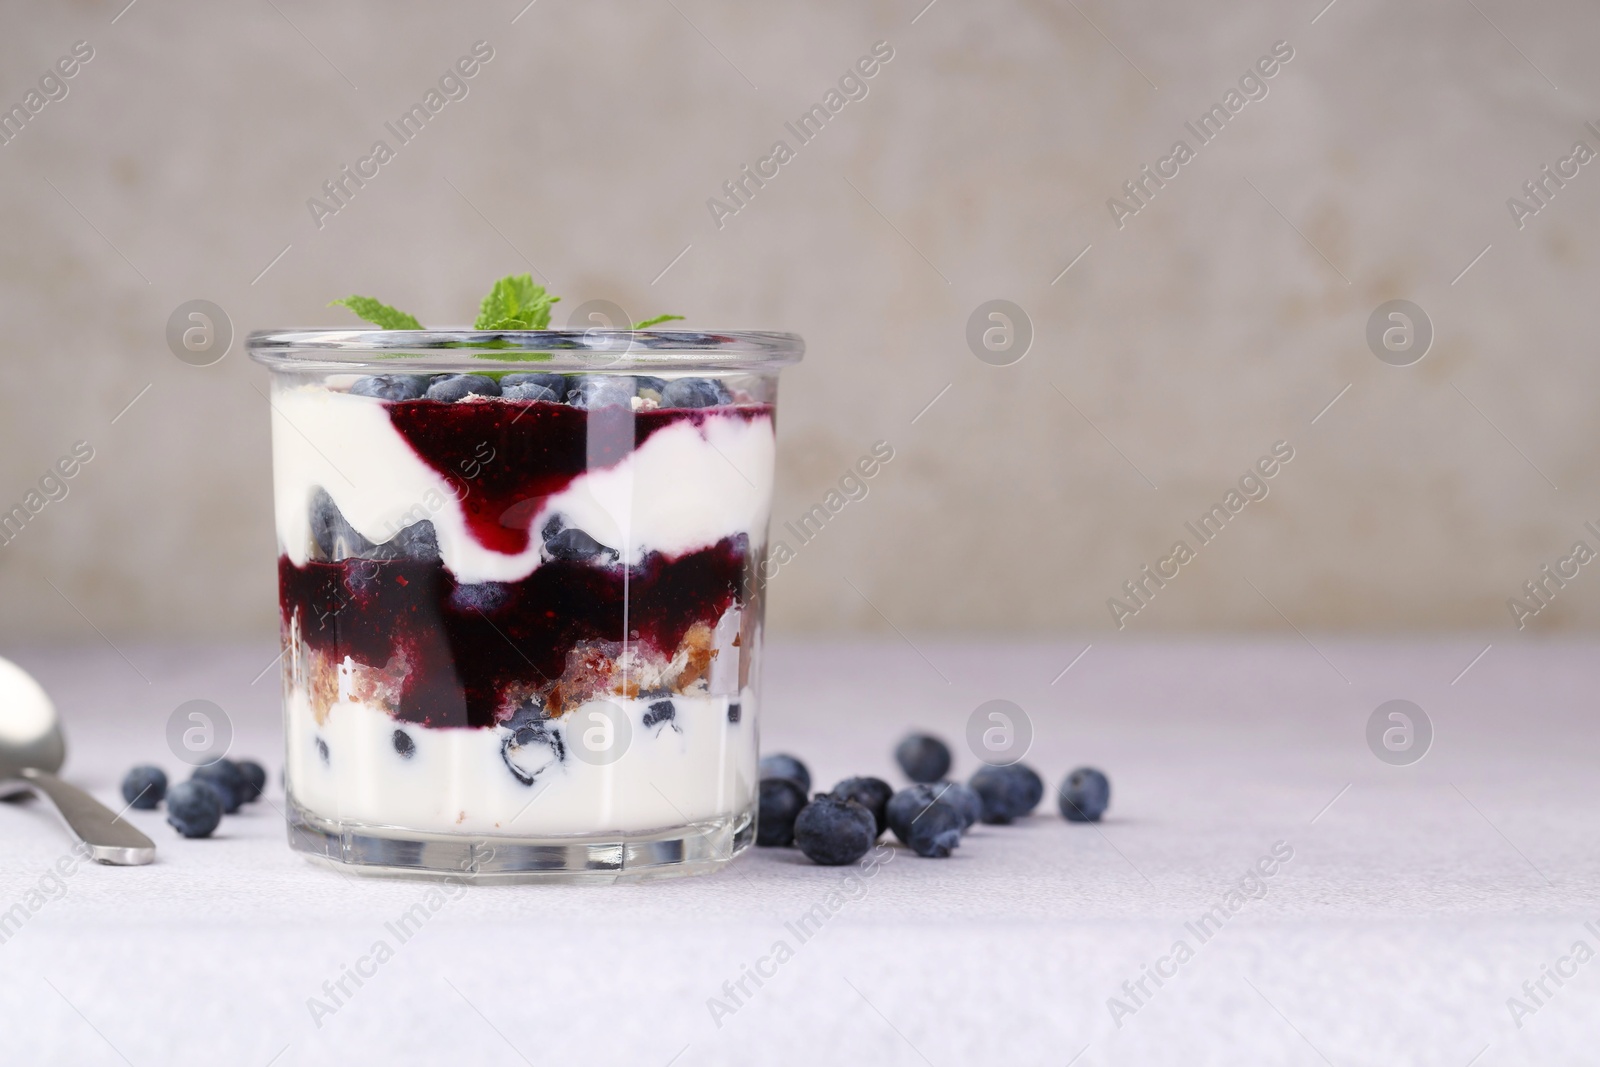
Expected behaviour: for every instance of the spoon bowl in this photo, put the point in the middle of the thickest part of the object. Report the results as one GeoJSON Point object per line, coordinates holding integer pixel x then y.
{"type": "Point", "coordinates": [30, 730]}
{"type": "Point", "coordinates": [32, 749]}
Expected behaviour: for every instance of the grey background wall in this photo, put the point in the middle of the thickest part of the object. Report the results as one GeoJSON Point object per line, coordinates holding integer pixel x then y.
{"type": "Point", "coordinates": [1221, 318]}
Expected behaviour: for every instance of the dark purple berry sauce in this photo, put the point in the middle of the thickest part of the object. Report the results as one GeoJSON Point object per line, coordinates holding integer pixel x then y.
{"type": "Point", "coordinates": [471, 655]}
{"type": "Point", "coordinates": [507, 457]}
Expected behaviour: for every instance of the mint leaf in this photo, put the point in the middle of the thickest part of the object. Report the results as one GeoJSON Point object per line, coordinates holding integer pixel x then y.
{"type": "Point", "coordinates": [380, 315]}
{"type": "Point", "coordinates": [647, 323]}
{"type": "Point", "coordinates": [515, 303]}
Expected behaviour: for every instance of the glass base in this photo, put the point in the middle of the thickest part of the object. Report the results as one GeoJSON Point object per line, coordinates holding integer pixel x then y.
{"type": "Point", "coordinates": [396, 852]}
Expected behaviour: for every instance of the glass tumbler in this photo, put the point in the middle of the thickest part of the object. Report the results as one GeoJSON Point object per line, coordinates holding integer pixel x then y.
{"type": "Point", "coordinates": [520, 591]}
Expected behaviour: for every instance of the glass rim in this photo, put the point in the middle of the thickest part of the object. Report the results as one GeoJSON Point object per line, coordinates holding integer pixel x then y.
{"type": "Point", "coordinates": [336, 350]}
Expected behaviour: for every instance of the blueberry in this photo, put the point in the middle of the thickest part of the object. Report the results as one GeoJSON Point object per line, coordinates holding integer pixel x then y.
{"type": "Point", "coordinates": [734, 711]}
{"type": "Point", "coordinates": [556, 383]}
{"type": "Point", "coordinates": [449, 387]}
{"type": "Point", "coordinates": [1007, 792]}
{"type": "Point", "coordinates": [1084, 796]}
{"type": "Point", "coordinates": [223, 776]}
{"type": "Point", "coordinates": [661, 711]}
{"type": "Point", "coordinates": [529, 713]}
{"type": "Point", "coordinates": [908, 808]}
{"type": "Point", "coordinates": [936, 831]}
{"type": "Point", "coordinates": [694, 393]}
{"type": "Point", "coordinates": [781, 801]}
{"type": "Point", "coordinates": [532, 746]}
{"type": "Point", "coordinates": [334, 537]}
{"type": "Point", "coordinates": [601, 390]}
{"type": "Point", "coordinates": [403, 744]}
{"type": "Point", "coordinates": [1034, 791]}
{"type": "Point", "coordinates": [834, 832]}
{"type": "Point", "coordinates": [923, 757]}
{"type": "Point", "coordinates": [578, 547]}
{"type": "Point", "coordinates": [322, 750]}
{"type": "Point", "coordinates": [871, 793]}
{"type": "Point", "coordinates": [252, 778]}
{"type": "Point", "coordinates": [481, 597]}
{"type": "Point", "coordinates": [144, 787]}
{"type": "Point", "coordinates": [645, 383]}
{"type": "Point", "coordinates": [960, 796]}
{"type": "Point", "coordinates": [390, 386]}
{"type": "Point", "coordinates": [325, 518]}
{"type": "Point", "coordinates": [528, 391]}
{"type": "Point", "coordinates": [782, 765]}
{"type": "Point", "coordinates": [419, 541]}
{"type": "Point", "coordinates": [194, 808]}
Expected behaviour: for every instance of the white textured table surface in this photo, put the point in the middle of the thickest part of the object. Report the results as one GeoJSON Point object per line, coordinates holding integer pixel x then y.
{"type": "Point", "coordinates": [1414, 906]}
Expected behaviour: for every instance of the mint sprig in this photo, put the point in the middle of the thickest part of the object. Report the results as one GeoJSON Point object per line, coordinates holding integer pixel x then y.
{"type": "Point", "coordinates": [380, 315]}
{"type": "Point", "coordinates": [515, 303]}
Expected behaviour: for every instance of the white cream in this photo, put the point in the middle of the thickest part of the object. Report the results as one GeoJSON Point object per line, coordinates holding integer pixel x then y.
{"type": "Point", "coordinates": [687, 487]}
{"type": "Point", "coordinates": [456, 780]}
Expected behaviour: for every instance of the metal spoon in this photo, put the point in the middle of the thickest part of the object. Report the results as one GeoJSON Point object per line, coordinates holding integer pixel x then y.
{"type": "Point", "coordinates": [32, 750]}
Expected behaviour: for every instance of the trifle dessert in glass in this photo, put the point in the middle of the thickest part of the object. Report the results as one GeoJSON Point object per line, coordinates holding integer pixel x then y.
{"type": "Point", "coordinates": [520, 579]}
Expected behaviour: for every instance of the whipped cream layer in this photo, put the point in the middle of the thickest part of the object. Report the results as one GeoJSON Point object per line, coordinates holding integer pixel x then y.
{"type": "Point", "coordinates": [697, 766]}
{"type": "Point", "coordinates": [690, 484]}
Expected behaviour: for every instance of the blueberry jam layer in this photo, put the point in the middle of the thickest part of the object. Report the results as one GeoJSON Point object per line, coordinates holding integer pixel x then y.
{"type": "Point", "coordinates": [508, 457]}
{"type": "Point", "coordinates": [444, 653]}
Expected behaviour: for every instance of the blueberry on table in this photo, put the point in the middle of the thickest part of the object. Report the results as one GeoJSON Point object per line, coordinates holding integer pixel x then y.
{"type": "Point", "coordinates": [936, 831]}
{"type": "Point", "coordinates": [694, 393]}
{"type": "Point", "coordinates": [783, 765]}
{"type": "Point", "coordinates": [1084, 796]}
{"type": "Point", "coordinates": [144, 787]}
{"type": "Point", "coordinates": [390, 386]}
{"type": "Point", "coordinates": [781, 800]}
{"type": "Point", "coordinates": [1034, 786]}
{"type": "Point", "coordinates": [194, 808]}
{"type": "Point", "coordinates": [923, 757]}
{"type": "Point", "coordinates": [909, 807]}
{"type": "Point", "coordinates": [960, 796]}
{"type": "Point", "coordinates": [253, 777]}
{"type": "Point", "coordinates": [1007, 792]}
{"type": "Point", "coordinates": [449, 387]}
{"type": "Point", "coordinates": [834, 832]}
{"type": "Point", "coordinates": [223, 775]}
{"type": "Point", "coordinates": [871, 793]}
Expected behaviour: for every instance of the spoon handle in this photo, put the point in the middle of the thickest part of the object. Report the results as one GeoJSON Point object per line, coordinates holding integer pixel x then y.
{"type": "Point", "coordinates": [110, 839]}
